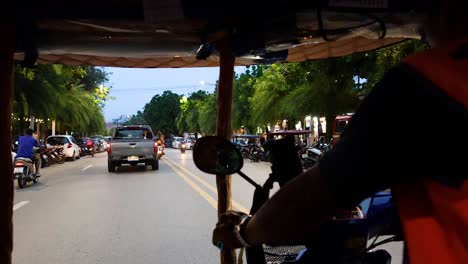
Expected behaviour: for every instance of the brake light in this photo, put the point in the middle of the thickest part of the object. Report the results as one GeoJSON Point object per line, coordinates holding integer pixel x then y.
{"type": "Point", "coordinates": [155, 147]}
{"type": "Point", "coordinates": [19, 164]}
{"type": "Point", "coordinates": [69, 145]}
{"type": "Point", "coordinates": [109, 148]}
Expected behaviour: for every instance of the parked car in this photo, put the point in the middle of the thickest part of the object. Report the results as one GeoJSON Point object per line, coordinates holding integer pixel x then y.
{"type": "Point", "coordinates": [71, 148]}
{"type": "Point", "coordinates": [189, 143]}
{"type": "Point", "coordinates": [176, 142]}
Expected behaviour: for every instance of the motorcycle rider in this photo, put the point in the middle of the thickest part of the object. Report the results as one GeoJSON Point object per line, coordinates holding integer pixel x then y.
{"type": "Point", "coordinates": [431, 192]}
{"type": "Point", "coordinates": [26, 146]}
{"type": "Point", "coordinates": [161, 141]}
{"type": "Point", "coordinates": [90, 144]}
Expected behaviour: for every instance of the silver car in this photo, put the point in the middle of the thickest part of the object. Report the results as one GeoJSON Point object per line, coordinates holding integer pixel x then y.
{"type": "Point", "coordinates": [176, 142]}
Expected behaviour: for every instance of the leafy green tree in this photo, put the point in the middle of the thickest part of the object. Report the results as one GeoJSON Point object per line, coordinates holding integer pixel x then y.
{"type": "Point", "coordinates": [326, 89]}
{"type": "Point", "coordinates": [161, 112]}
{"type": "Point", "coordinates": [207, 115]}
{"type": "Point", "coordinates": [54, 91]}
{"type": "Point", "coordinates": [136, 119]}
{"type": "Point", "coordinates": [188, 119]}
{"type": "Point", "coordinates": [243, 92]}
{"type": "Point", "coordinates": [386, 58]}
{"type": "Point", "coordinates": [268, 101]}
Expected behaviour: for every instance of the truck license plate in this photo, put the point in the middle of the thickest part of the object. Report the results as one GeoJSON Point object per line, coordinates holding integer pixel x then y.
{"type": "Point", "coordinates": [133, 158]}
{"type": "Point", "coordinates": [18, 170]}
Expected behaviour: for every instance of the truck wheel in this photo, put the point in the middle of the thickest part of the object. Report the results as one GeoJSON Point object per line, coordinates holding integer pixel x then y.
{"type": "Point", "coordinates": [155, 165]}
{"type": "Point", "coordinates": [110, 166]}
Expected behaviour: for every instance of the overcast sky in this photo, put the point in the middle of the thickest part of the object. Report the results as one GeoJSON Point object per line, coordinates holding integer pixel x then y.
{"type": "Point", "coordinates": [133, 88]}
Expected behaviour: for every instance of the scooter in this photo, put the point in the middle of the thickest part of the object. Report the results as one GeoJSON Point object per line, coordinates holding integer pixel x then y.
{"type": "Point", "coordinates": [372, 218]}
{"type": "Point", "coordinates": [91, 151]}
{"type": "Point", "coordinates": [183, 147]}
{"type": "Point", "coordinates": [24, 171]}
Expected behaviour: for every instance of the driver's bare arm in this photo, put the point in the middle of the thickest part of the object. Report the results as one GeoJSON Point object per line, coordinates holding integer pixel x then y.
{"type": "Point", "coordinates": [293, 213]}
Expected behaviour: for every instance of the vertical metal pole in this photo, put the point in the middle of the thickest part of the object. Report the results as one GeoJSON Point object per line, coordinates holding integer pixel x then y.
{"type": "Point", "coordinates": [223, 129]}
{"type": "Point", "coordinates": [6, 167]}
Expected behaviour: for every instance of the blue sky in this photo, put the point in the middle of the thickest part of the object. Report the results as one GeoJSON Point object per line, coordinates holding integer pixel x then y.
{"type": "Point", "coordinates": [133, 88]}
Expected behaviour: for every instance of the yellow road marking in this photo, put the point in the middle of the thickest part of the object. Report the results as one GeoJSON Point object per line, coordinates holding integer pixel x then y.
{"type": "Point", "coordinates": [236, 205]}
{"type": "Point", "coordinates": [197, 188]}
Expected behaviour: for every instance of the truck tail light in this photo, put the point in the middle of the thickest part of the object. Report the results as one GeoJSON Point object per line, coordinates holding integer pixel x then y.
{"type": "Point", "coordinates": [109, 149]}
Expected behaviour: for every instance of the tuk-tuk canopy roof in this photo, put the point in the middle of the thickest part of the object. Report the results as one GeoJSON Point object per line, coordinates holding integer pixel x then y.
{"type": "Point", "coordinates": [174, 33]}
{"type": "Point", "coordinates": [289, 132]}
{"type": "Point", "coordinates": [244, 136]}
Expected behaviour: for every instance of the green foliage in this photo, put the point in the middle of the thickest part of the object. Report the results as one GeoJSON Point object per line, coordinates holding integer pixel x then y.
{"type": "Point", "coordinates": [161, 112]}
{"type": "Point", "coordinates": [386, 58]}
{"type": "Point", "coordinates": [264, 95]}
{"type": "Point", "coordinates": [54, 91]}
{"type": "Point", "coordinates": [188, 119]}
{"type": "Point", "coordinates": [136, 119]}
{"type": "Point", "coordinates": [207, 115]}
{"type": "Point", "coordinates": [243, 92]}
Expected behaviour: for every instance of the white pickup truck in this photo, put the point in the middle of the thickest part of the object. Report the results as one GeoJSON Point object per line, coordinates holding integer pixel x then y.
{"type": "Point", "coordinates": [132, 145]}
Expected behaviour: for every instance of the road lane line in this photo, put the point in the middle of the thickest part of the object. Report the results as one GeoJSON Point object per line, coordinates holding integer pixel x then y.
{"type": "Point", "coordinates": [209, 186]}
{"type": "Point", "coordinates": [194, 186]}
{"type": "Point", "coordinates": [87, 167]}
{"type": "Point", "coordinates": [19, 205]}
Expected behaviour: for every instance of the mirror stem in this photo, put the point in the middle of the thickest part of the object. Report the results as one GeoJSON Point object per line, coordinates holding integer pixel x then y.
{"type": "Point", "coordinates": [249, 180]}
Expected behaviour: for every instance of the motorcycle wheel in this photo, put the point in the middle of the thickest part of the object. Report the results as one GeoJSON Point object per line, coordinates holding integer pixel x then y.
{"type": "Point", "coordinates": [22, 181]}
{"type": "Point", "coordinates": [61, 159]}
{"type": "Point", "coordinates": [36, 180]}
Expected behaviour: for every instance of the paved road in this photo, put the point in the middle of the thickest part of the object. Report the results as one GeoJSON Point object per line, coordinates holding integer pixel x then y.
{"type": "Point", "coordinates": [80, 213]}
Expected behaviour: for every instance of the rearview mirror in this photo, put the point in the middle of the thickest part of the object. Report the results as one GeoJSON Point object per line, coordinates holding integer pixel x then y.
{"type": "Point", "coordinates": [216, 155]}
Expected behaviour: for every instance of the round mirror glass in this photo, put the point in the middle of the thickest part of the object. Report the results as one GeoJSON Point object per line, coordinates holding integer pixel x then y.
{"type": "Point", "coordinates": [216, 155]}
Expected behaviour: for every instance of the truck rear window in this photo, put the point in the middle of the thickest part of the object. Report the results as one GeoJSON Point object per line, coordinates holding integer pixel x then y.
{"type": "Point", "coordinates": [133, 133]}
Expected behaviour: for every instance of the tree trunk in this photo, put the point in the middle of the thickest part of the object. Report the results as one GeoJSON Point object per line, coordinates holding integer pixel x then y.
{"type": "Point", "coordinates": [330, 118]}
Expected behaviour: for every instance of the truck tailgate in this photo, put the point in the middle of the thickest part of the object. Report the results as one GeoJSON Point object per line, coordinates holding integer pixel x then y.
{"type": "Point", "coordinates": [135, 147]}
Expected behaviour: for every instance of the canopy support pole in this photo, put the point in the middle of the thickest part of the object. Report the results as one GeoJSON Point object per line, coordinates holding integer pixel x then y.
{"type": "Point", "coordinates": [7, 46]}
{"type": "Point", "coordinates": [223, 129]}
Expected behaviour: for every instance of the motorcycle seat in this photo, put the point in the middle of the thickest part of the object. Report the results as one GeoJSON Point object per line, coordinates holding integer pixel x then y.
{"type": "Point", "coordinates": [24, 159]}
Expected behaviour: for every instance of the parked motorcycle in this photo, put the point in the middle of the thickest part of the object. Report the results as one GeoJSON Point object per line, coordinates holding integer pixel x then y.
{"type": "Point", "coordinates": [54, 155]}
{"type": "Point", "coordinates": [344, 239]}
{"type": "Point", "coordinates": [24, 171]}
{"type": "Point", "coordinates": [311, 155]}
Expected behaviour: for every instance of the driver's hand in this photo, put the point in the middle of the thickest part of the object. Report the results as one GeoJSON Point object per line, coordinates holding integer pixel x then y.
{"type": "Point", "coordinates": [223, 234]}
